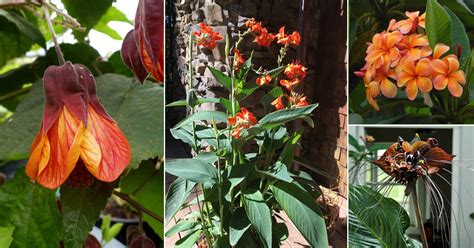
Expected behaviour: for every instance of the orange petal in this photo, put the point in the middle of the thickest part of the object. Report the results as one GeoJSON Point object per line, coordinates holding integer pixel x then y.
{"type": "Point", "coordinates": [414, 53]}
{"type": "Point", "coordinates": [411, 90]}
{"type": "Point", "coordinates": [114, 147]}
{"type": "Point", "coordinates": [393, 38]}
{"type": "Point", "coordinates": [424, 84]}
{"type": "Point", "coordinates": [388, 88]}
{"type": "Point", "coordinates": [453, 64]}
{"type": "Point", "coordinates": [454, 88]}
{"type": "Point", "coordinates": [374, 88]}
{"type": "Point", "coordinates": [440, 82]}
{"type": "Point", "coordinates": [423, 67]}
{"type": "Point", "coordinates": [439, 66]}
{"type": "Point", "coordinates": [458, 76]}
{"type": "Point", "coordinates": [90, 151]}
{"type": "Point", "coordinates": [39, 157]}
{"type": "Point", "coordinates": [439, 50]}
{"type": "Point", "coordinates": [403, 78]}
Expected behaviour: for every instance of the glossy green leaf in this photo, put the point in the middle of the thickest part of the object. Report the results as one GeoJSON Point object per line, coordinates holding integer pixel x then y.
{"type": "Point", "coordinates": [146, 185]}
{"type": "Point", "coordinates": [438, 24]}
{"type": "Point", "coordinates": [203, 115]}
{"type": "Point", "coordinates": [32, 210]}
{"type": "Point", "coordinates": [259, 215]}
{"type": "Point", "coordinates": [189, 240]}
{"type": "Point", "coordinates": [177, 194]}
{"type": "Point", "coordinates": [6, 236]}
{"type": "Point", "coordinates": [222, 78]}
{"type": "Point", "coordinates": [459, 38]}
{"type": "Point", "coordinates": [80, 209]}
{"type": "Point", "coordinates": [201, 100]}
{"type": "Point", "coordinates": [194, 170]}
{"type": "Point", "coordinates": [303, 212]}
{"type": "Point", "coordinates": [112, 14]}
{"type": "Point", "coordinates": [239, 224]}
{"type": "Point", "coordinates": [182, 226]}
{"type": "Point", "coordinates": [87, 12]}
{"type": "Point", "coordinates": [375, 220]}
{"type": "Point", "coordinates": [278, 171]}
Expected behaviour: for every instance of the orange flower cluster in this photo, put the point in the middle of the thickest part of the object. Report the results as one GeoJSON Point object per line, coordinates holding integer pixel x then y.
{"type": "Point", "coordinates": [292, 39]}
{"type": "Point", "coordinates": [264, 38]}
{"type": "Point", "coordinates": [206, 37]}
{"type": "Point", "coordinates": [295, 73]}
{"type": "Point", "coordinates": [242, 120]}
{"type": "Point", "coordinates": [264, 79]}
{"type": "Point", "coordinates": [238, 59]}
{"type": "Point", "coordinates": [401, 57]}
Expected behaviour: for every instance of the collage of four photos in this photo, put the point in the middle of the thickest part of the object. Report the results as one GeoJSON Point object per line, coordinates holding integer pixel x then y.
{"type": "Point", "coordinates": [236, 123]}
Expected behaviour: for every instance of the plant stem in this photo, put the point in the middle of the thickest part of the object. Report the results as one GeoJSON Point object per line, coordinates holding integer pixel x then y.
{"type": "Point", "coordinates": [53, 36]}
{"type": "Point", "coordinates": [202, 217]}
{"type": "Point", "coordinates": [419, 219]}
{"type": "Point", "coordinates": [137, 205]}
{"type": "Point", "coordinates": [219, 179]}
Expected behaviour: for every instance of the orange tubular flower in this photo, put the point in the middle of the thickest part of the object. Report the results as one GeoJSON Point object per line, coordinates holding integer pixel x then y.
{"type": "Point", "coordinates": [415, 76]}
{"type": "Point", "coordinates": [295, 70]}
{"type": "Point", "coordinates": [278, 103]}
{"type": "Point", "coordinates": [242, 120]}
{"type": "Point", "coordinates": [292, 39]}
{"type": "Point", "coordinates": [264, 39]}
{"type": "Point", "coordinates": [448, 74]}
{"type": "Point", "coordinates": [238, 59]}
{"type": "Point", "coordinates": [411, 24]}
{"type": "Point", "coordinates": [76, 131]}
{"type": "Point", "coordinates": [264, 79]}
{"type": "Point", "coordinates": [206, 37]}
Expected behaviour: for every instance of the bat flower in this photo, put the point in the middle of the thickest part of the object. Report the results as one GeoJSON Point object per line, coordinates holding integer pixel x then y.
{"type": "Point", "coordinates": [206, 37]}
{"type": "Point", "coordinates": [76, 131]}
{"type": "Point", "coordinates": [143, 47]}
{"type": "Point", "coordinates": [242, 120]}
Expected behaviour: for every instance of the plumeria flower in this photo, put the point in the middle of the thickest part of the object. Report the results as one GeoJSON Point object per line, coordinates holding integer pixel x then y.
{"type": "Point", "coordinates": [383, 51]}
{"type": "Point", "coordinates": [278, 103]}
{"type": "Point", "coordinates": [382, 83]}
{"type": "Point", "coordinates": [244, 119]}
{"type": "Point", "coordinates": [292, 39]}
{"type": "Point", "coordinates": [295, 70]}
{"type": "Point", "coordinates": [264, 39]}
{"type": "Point", "coordinates": [414, 76]}
{"type": "Point", "coordinates": [76, 132]}
{"type": "Point", "coordinates": [238, 59]}
{"type": "Point", "coordinates": [411, 24]}
{"type": "Point", "coordinates": [416, 46]}
{"type": "Point", "coordinates": [447, 73]}
{"type": "Point", "coordinates": [264, 79]}
{"type": "Point", "coordinates": [206, 37]}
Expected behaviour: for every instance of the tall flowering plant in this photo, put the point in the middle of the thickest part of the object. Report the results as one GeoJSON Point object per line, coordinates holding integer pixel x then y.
{"type": "Point", "coordinates": [244, 190]}
{"type": "Point", "coordinates": [416, 62]}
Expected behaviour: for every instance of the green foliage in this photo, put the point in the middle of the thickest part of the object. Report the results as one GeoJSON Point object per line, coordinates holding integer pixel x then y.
{"type": "Point", "coordinates": [32, 210]}
{"type": "Point", "coordinates": [145, 185]}
{"type": "Point", "coordinates": [178, 192]}
{"type": "Point", "coordinates": [6, 236]}
{"type": "Point", "coordinates": [193, 170]}
{"type": "Point", "coordinates": [112, 14]}
{"type": "Point", "coordinates": [258, 214]}
{"type": "Point", "coordinates": [80, 210]}
{"type": "Point", "coordinates": [438, 24]}
{"type": "Point", "coordinates": [88, 13]}
{"type": "Point", "coordinates": [109, 232]}
{"type": "Point", "coordinates": [375, 220]}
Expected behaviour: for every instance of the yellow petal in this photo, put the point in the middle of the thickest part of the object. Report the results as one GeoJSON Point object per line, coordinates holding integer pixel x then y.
{"type": "Point", "coordinates": [454, 88]}
{"type": "Point", "coordinates": [90, 152]}
{"type": "Point", "coordinates": [388, 88]}
{"type": "Point", "coordinates": [440, 82]}
{"type": "Point", "coordinates": [458, 76]}
{"type": "Point", "coordinates": [424, 84]}
{"type": "Point", "coordinates": [439, 66]}
{"type": "Point", "coordinates": [412, 90]}
{"type": "Point", "coordinates": [39, 156]}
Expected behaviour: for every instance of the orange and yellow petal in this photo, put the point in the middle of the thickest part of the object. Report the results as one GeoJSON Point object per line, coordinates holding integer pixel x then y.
{"type": "Point", "coordinates": [424, 84]}
{"type": "Point", "coordinates": [440, 82]}
{"type": "Point", "coordinates": [439, 66]}
{"type": "Point", "coordinates": [411, 90]}
{"type": "Point", "coordinates": [454, 88]}
{"type": "Point", "coordinates": [439, 50]}
{"type": "Point", "coordinates": [39, 157]}
{"type": "Point", "coordinates": [458, 76]}
{"type": "Point", "coordinates": [423, 67]}
{"type": "Point", "coordinates": [388, 88]}
{"type": "Point", "coordinates": [453, 64]}
{"type": "Point", "coordinates": [403, 78]}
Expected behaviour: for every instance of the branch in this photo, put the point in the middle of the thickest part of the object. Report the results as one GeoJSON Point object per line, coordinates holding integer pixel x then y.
{"type": "Point", "coordinates": [53, 36]}
{"type": "Point", "coordinates": [138, 206]}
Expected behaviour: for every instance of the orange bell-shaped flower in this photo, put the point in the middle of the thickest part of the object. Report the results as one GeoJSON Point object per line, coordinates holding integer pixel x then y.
{"type": "Point", "coordinates": [75, 131]}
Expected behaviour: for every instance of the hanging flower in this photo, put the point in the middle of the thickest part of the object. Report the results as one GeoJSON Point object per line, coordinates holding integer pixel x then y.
{"type": "Point", "coordinates": [264, 79]}
{"type": "Point", "coordinates": [75, 131]}
{"type": "Point", "coordinates": [206, 37]}
{"type": "Point", "coordinates": [254, 26]}
{"type": "Point", "coordinates": [238, 59]}
{"type": "Point", "coordinates": [242, 120]}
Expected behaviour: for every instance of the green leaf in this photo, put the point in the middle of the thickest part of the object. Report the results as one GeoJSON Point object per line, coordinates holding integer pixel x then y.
{"type": "Point", "coordinates": [375, 220]}
{"type": "Point", "coordinates": [459, 37]}
{"type": "Point", "coordinates": [313, 167]}
{"type": "Point", "coordinates": [203, 115]}
{"type": "Point", "coordinates": [239, 223]}
{"type": "Point", "coordinates": [355, 119]}
{"type": "Point", "coordinates": [81, 209]}
{"type": "Point", "coordinates": [268, 98]}
{"type": "Point", "coordinates": [201, 100]}
{"type": "Point", "coordinates": [234, 175]}
{"type": "Point", "coordinates": [194, 170]}
{"type": "Point", "coordinates": [177, 194]}
{"type": "Point", "coordinates": [221, 78]}
{"type": "Point", "coordinates": [251, 86]}
{"type": "Point", "coordinates": [287, 155]}
{"type": "Point", "coordinates": [353, 142]}
{"type": "Point", "coordinates": [32, 210]}
{"type": "Point", "coordinates": [259, 214]}
{"type": "Point", "coordinates": [285, 115]}
{"type": "Point", "coordinates": [278, 171]}
{"type": "Point", "coordinates": [135, 108]}
{"type": "Point", "coordinates": [6, 236]}
{"type": "Point", "coordinates": [303, 212]}
{"type": "Point", "coordinates": [188, 240]}
{"type": "Point", "coordinates": [438, 24]}
{"type": "Point", "coordinates": [182, 226]}
{"type": "Point", "coordinates": [87, 12]}
{"type": "Point", "coordinates": [119, 66]}
{"type": "Point", "coordinates": [113, 231]}
{"type": "Point", "coordinates": [145, 185]}
{"type": "Point", "coordinates": [112, 14]}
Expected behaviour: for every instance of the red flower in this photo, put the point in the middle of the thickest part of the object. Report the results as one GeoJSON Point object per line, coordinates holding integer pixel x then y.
{"type": "Point", "coordinates": [242, 120]}
{"type": "Point", "coordinates": [278, 103]}
{"type": "Point", "coordinates": [292, 39]}
{"type": "Point", "coordinates": [265, 38]}
{"type": "Point", "coordinates": [206, 37]}
{"type": "Point", "coordinates": [238, 59]}
{"type": "Point", "coordinates": [299, 101]}
{"type": "Point", "coordinates": [295, 70]}
{"type": "Point", "coordinates": [143, 48]}
{"type": "Point", "coordinates": [76, 131]}
{"type": "Point", "coordinates": [289, 84]}
{"type": "Point", "coordinates": [265, 79]}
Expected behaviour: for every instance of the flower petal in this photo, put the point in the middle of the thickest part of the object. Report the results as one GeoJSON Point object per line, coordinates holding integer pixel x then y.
{"type": "Point", "coordinates": [388, 88]}
{"type": "Point", "coordinates": [439, 50]}
{"type": "Point", "coordinates": [39, 158]}
{"type": "Point", "coordinates": [423, 67]}
{"type": "Point", "coordinates": [412, 90]}
{"type": "Point", "coordinates": [440, 82]}
{"type": "Point", "coordinates": [439, 66]}
{"type": "Point", "coordinates": [403, 78]}
{"type": "Point", "coordinates": [374, 88]}
{"type": "Point", "coordinates": [454, 88]}
{"type": "Point", "coordinates": [424, 84]}
{"type": "Point", "coordinates": [453, 64]}
{"type": "Point", "coordinates": [458, 76]}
